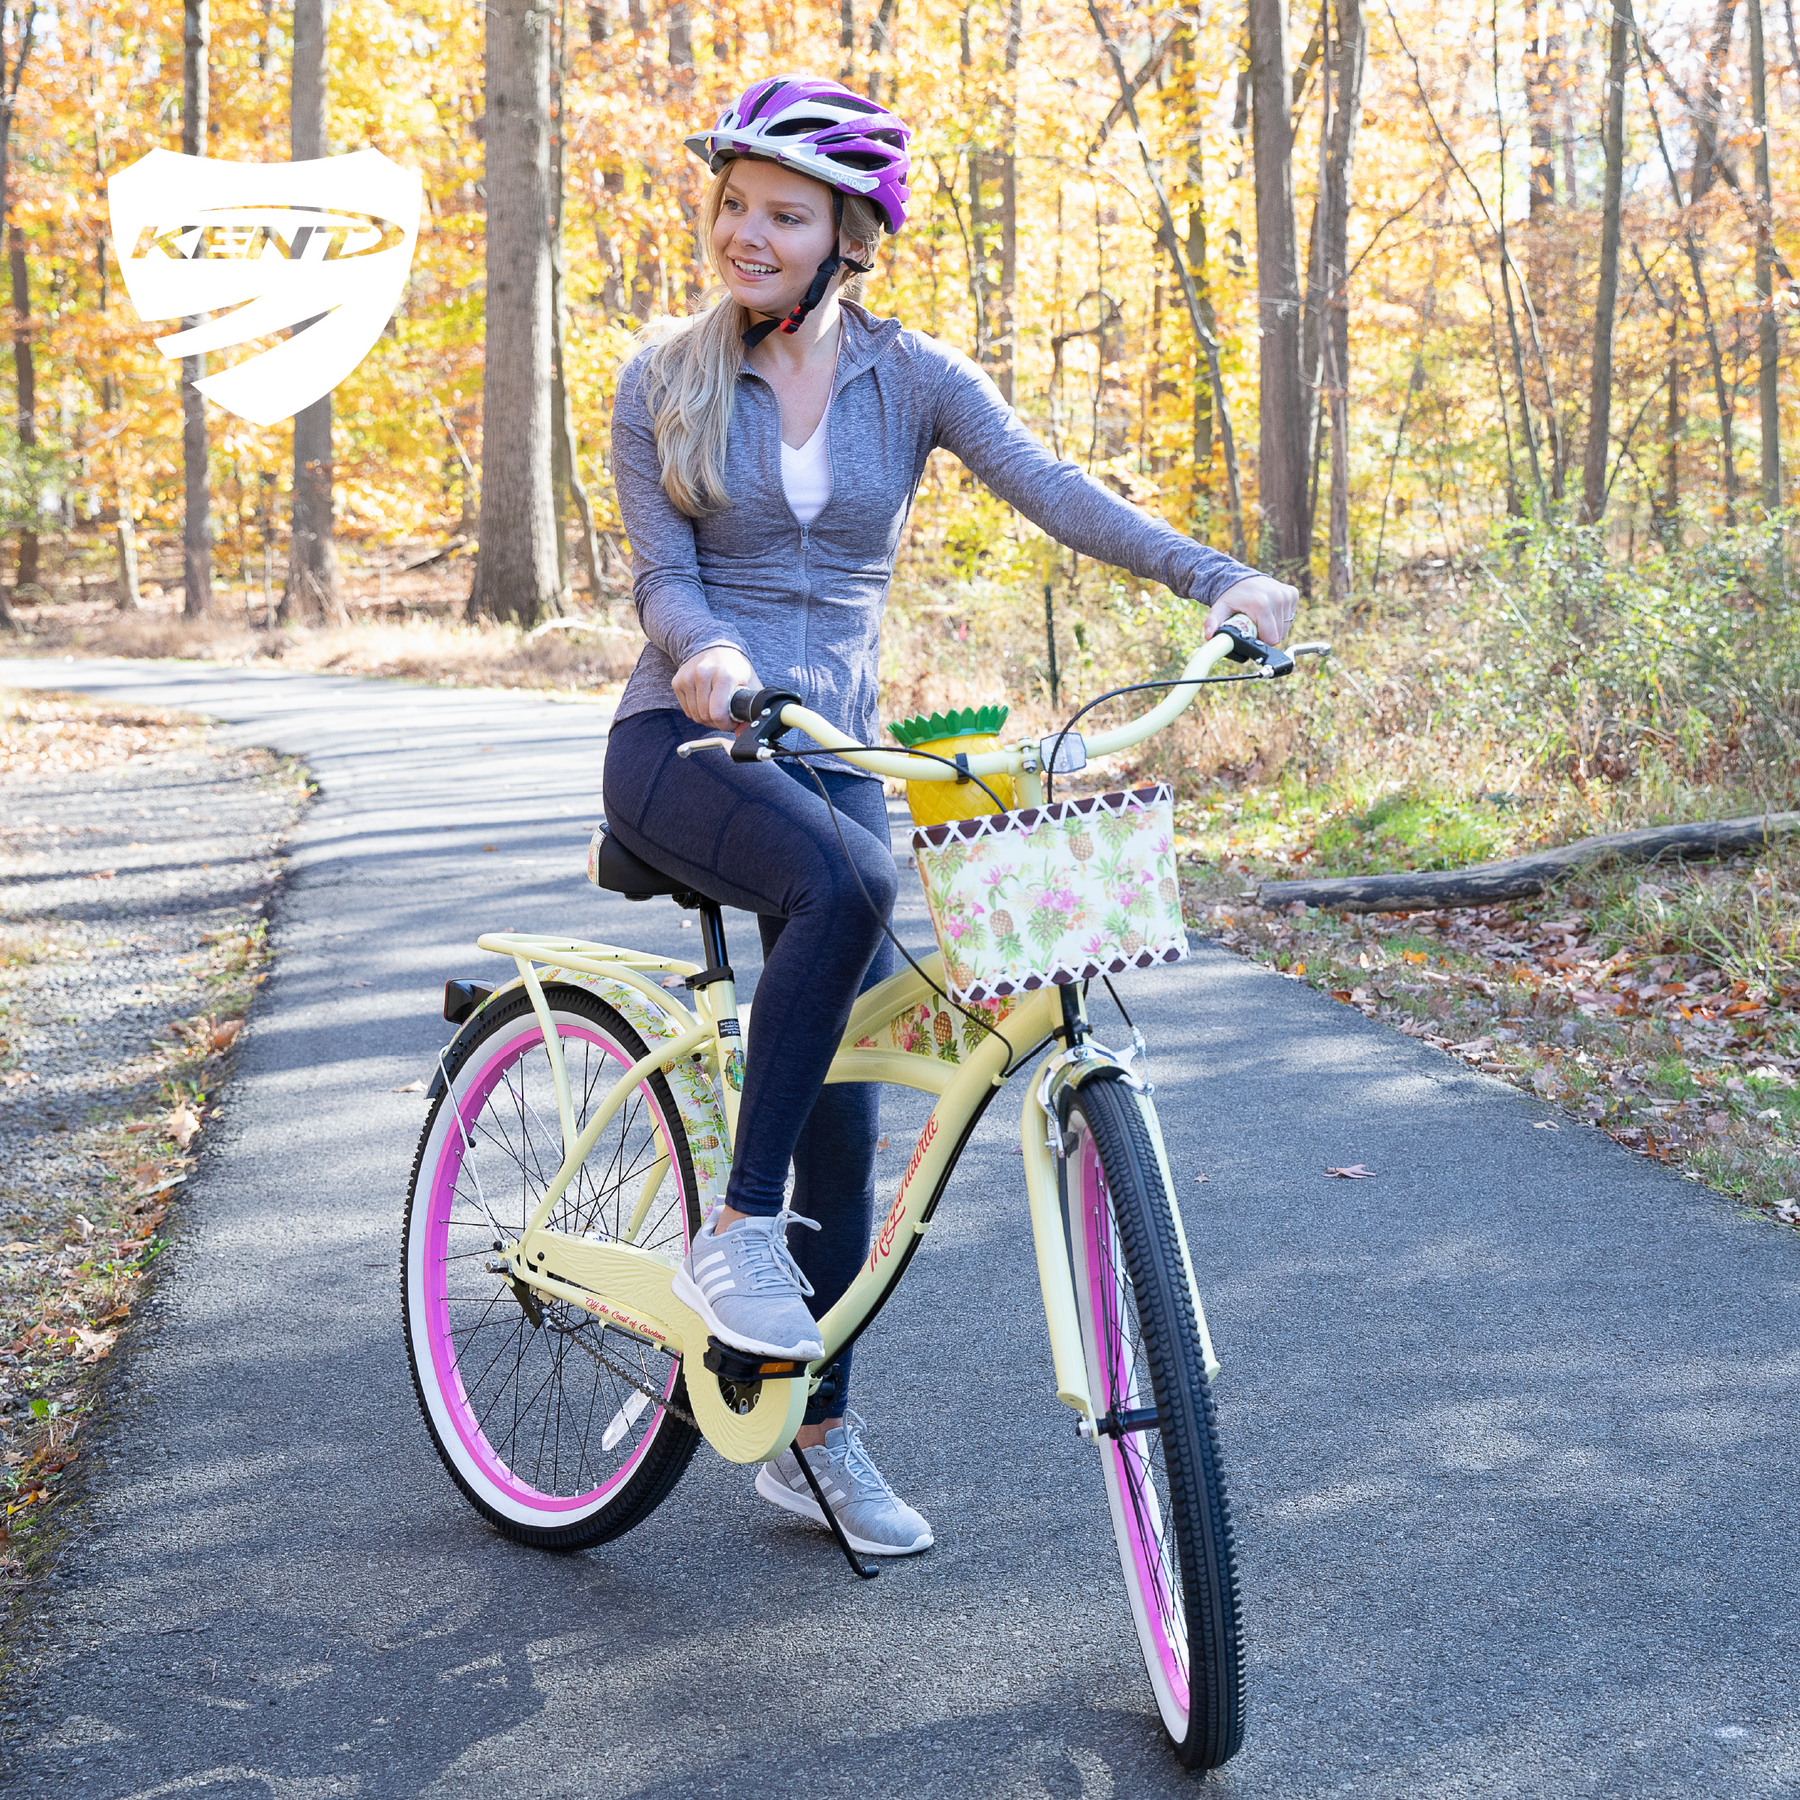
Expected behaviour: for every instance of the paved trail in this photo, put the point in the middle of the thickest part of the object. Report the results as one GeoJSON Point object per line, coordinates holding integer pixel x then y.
{"type": "Point", "coordinates": [1511, 1428]}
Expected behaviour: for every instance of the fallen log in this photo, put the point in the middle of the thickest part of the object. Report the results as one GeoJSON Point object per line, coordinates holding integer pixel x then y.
{"type": "Point", "coordinates": [1524, 877]}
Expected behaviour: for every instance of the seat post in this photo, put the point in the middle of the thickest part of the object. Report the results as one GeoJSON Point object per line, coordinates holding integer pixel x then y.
{"type": "Point", "coordinates": [712, 935]}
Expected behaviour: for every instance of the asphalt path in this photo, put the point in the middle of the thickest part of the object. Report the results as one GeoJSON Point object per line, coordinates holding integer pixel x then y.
{"type": "Point", "coordinates": [1510, 1428]}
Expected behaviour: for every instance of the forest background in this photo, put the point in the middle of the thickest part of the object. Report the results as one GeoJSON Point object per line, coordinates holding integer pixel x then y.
{"type": "Point", "coordinates": [1550, 242]}
{"type": "Point", "coordinates": [1474, 319]}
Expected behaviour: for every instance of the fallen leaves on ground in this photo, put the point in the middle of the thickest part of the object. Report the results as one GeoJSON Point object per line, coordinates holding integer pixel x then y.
{"type": "Point", "coordinates": [75, 1255]}
{"type": "Point", "coordinates": [1587, 1001]}
{"type": "Point", "coordinates": [46, 734]}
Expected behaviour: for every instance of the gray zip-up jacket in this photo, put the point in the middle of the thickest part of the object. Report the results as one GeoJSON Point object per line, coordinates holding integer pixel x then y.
{"type": "Point", "coordinates": [804, 603]}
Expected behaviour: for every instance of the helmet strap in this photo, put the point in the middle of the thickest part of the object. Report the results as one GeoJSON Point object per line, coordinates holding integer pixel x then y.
{"type": "Point", "coordinates": [821, 281]}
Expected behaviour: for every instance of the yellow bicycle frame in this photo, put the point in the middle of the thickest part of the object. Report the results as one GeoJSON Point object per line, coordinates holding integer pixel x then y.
{"type": "Point", "coordinates": [630, 1287]}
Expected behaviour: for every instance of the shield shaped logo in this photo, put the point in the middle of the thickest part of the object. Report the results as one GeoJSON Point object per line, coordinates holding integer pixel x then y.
{"type": "Point", "coordinates": [265, 247]}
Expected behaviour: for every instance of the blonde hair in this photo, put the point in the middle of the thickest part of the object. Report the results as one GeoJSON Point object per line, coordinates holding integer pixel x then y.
{"type": "Point", "coordinates": [692, 366]}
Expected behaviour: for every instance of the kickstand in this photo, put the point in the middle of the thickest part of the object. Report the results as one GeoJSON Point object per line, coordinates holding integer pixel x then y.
{"type": "Point", "coordinates": [867, 1571]}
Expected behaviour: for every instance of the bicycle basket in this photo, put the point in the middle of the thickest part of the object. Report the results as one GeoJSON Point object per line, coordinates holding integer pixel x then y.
{"type": "Point", "coordinates": [1054, 893]}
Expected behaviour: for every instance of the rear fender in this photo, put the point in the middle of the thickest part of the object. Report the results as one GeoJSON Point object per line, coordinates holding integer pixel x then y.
{"type": "Point", "coordinates": [653, 1016]}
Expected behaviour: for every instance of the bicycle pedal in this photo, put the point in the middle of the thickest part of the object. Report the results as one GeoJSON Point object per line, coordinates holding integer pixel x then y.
{"type": "Point", "coordinates": [732, 1364]}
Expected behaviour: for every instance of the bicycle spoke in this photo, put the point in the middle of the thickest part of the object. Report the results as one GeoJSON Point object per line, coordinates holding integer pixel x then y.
{"type": "Point", "coordinates": [537, 1403]}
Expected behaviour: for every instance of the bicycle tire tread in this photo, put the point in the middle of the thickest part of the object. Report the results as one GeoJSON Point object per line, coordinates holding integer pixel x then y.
{"type": "Point", "coordinates": [1189, 1424]}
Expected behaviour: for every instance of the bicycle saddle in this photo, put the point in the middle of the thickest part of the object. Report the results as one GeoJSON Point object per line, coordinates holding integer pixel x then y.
{"type": "Point", "coordinates": [613, 867]}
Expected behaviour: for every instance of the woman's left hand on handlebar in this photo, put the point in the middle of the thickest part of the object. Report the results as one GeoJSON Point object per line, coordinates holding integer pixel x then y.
{"type": "Point", "coordinates": [1268, 604]}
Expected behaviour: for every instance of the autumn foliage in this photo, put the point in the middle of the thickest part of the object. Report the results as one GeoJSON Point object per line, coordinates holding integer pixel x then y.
{"type": "Point", "coordinates": [1034, 245]}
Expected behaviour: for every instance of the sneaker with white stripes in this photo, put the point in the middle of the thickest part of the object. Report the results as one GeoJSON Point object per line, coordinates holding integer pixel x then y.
{"type": "Point", "coordinates": [875, 1521]}
{"type": "Point", "coordinates": [745, 1284]}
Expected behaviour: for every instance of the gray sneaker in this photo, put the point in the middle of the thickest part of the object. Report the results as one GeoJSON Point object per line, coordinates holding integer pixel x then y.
{"type": "Point", "coordinates": [874, 1519]}
{"type": "Point", "coordinates": [747, 1287]}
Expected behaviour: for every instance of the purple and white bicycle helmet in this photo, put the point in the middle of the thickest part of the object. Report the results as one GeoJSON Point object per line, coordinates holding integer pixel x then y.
{"type": "Point", "coordinates": [817, 128]}
{"type": "Point", "coordinates": [820, 129]}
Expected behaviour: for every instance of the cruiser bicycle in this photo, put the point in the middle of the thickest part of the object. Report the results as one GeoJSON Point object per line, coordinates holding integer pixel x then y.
{"type": "Point", "coordinates": [581, 1122]}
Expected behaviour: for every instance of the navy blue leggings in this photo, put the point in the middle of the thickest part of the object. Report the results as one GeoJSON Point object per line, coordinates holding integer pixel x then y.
{"type": "Point", "coordinates": [757, 836]}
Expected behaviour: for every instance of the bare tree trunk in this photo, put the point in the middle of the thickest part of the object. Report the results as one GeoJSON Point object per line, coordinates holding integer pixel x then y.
{"type": "Point", "coordinates": [515, 568]}
{"type": "Point", "coordinates": [196, 530]}
{"type": "Point", "coordinates": [1722, 393]}
{"type": "Point", "coordinates": [1349, 60]}
{"type": "Point", "coordinates": [1706, 121]}
{"type": "Point", "coordinates": [1009, 204]}
{"type": "Point", "coordinates": [612, 259]}
{"type": "Point", "coordinates": [1312, 311]}
{"type": "Point", "coordinates": [567, 471]}
{"type": "Point", "coordinates": [1669, 507]}
{"type": "Point", "coordinates": [1512, 317]}
{"type": "Point", "coordinates": [1281, 460]}
{"type": "Point", "coordinates": [1203, 397]}
{"type": "Point", "coordinates": [1600, 373]}
{"type": "Point", "coordinates": [25, 376]}
{"type": "Point", "coordinates": [880, 30]}
{"type": "Point", "coordinates": [978, 287]}
{"type": "Point", "coordinates": [9, 95]}
{"type": "Point", "coordinates": [1541, 56]}
{"type": "Point", "coordinates": [1190, 298]}
{"type": "Point", "coordinates": [1768, 346]}
{"type": "Point", "coordinates": [130, 600]}
{"type": "Point", "coordinates": [314, 590]}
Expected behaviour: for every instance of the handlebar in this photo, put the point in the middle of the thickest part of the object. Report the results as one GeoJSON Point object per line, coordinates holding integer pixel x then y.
{"type": "Point", "coordinates": [773, 711]}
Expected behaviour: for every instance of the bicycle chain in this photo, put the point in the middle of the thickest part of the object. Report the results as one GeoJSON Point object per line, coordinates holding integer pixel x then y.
{"type": "Point", "coordinates": [626, 1376]}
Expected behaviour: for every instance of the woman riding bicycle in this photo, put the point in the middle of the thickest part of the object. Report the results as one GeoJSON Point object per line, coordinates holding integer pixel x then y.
{"type": "Point", "coordinates": [766, 455]}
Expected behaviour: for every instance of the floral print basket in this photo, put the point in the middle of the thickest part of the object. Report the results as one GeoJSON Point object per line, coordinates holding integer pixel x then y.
{"type": "Point", "coordinates": [1054, 893]}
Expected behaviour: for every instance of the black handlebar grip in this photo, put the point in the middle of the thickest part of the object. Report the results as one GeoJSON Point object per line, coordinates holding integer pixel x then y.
{"type": "Point", "coordinates": [743, 705]}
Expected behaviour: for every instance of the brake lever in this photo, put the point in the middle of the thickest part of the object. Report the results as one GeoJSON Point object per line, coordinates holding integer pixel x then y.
{"type": "Point", "coordinates": [755, 745]}
{"type": "Point", "coordinates": [1248, 648]}
{"type": "Point", "coordinates": [719, 743]}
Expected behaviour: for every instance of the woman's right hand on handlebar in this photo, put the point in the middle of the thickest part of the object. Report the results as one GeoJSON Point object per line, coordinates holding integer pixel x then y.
{"type": "Point", "coordinates": [705, 683]}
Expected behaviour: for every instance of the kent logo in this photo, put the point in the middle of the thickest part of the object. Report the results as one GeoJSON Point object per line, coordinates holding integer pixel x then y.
{"type": "Point", "coordinates": [294, 233]}
{"type": "Point", "coordinates": [310, 258]}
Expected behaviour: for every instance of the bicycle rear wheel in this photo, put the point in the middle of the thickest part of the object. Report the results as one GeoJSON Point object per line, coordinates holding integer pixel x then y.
{"type": "Point", "coordinates": [1160, 1448]}
{"type": "Point", "coordinates": [554, 1426]}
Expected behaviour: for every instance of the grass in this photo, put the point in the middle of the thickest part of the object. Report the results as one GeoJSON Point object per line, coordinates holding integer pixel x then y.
{"type": "Point", "coordinates": [1618, 998]}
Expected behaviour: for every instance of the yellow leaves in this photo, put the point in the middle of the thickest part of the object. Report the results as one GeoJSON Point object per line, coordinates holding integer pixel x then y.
{"type": "Point", "coordinates": [182, 1124]}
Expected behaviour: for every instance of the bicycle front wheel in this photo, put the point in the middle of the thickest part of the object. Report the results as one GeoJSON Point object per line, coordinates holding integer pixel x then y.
{"type": "Point", "coordinates": [1160, 1445]}
{"type": "Point", "coordinates": [555, 1426]}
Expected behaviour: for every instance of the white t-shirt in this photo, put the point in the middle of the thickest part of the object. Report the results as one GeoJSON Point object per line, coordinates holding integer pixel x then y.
{"type": "Point", "coordinates": [806, 474]}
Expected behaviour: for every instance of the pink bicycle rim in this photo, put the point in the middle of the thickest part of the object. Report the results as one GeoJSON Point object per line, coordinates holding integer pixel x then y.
{"type": "Point", "coordinates": [437, 1310]}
